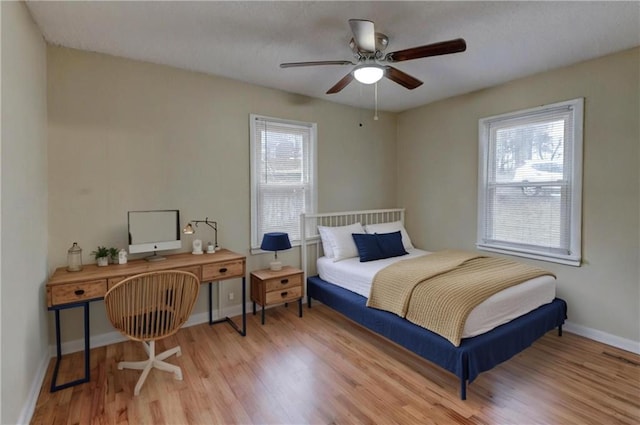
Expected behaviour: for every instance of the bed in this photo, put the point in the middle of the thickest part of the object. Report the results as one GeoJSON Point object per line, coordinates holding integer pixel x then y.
{"type": "Point", "coordinates": [525, 312]}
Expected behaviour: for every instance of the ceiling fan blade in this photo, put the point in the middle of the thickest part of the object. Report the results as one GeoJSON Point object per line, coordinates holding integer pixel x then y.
{"type": "Point", "coordinates": [341, 84]}
{"type": "Point", "coordinates": [402, 78]}
{"type": "Point", "coordinates": [435, 49]}
{"type": "Point", "coordinates": [316, 63]}
{"type": "Point", "coordinates": [364, 35]}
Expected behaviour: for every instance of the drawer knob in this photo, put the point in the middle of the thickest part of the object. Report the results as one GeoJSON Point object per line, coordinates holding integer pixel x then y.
{"type": "Point", "coordinates": [284, 294]}
{"type": "Point", "coordinates": [79, 292]}
{"type": "Point", "coordinates": [223, 270]}
{"type": "Point", "coordinates": [284, 281]}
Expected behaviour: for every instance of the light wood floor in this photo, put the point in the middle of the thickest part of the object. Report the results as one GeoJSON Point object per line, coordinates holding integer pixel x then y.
{"type": "Point", "coordinates": [323, 369]}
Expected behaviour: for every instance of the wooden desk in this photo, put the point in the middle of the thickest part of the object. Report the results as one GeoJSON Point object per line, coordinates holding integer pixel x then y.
{"type": "Point", "coordinates": [77, 289]}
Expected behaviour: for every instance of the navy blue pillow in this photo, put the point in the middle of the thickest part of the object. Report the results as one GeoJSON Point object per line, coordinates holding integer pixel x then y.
{"type": "Point", "coordinates": [391, 244]}
{"type": "Point", "coordinates": [377, 246]}
{"type": "Point", "coordinates": [368, 247]}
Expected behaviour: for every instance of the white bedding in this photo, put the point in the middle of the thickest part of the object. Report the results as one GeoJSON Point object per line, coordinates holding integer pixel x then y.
{"type": "Point", "coordinates": [498, 309]}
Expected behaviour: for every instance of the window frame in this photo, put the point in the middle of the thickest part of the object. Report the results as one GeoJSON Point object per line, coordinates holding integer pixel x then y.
{"type": "Point", "coordinates": [253, 167]}
{"type": "Point", "coordinates": [574, 219]}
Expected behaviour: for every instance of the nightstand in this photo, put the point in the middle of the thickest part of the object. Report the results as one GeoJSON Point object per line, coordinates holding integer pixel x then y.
{"type": "Point", "coordinates": [269, 287]}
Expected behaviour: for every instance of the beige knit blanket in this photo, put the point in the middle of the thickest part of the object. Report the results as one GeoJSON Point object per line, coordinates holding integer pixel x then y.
{"type": "Point", "coordinates": [438, 291]}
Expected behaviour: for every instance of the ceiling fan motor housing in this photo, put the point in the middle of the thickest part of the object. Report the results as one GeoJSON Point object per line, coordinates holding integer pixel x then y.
{"type": "Point", "coordinates": [382, 41]}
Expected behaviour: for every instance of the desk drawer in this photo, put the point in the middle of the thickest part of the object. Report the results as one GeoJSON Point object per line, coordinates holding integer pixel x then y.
{"type": "Point", "coordinates": [191, 269]}
{"type": "Point", "coordinates": [221, 271]}
{"type": "Point", "coordinates": [74, 292]}
{"type": "Point", "coordinates": [283, 282]}
{"type": "Point", "coordinates": [284, 295]}
{"type": "Point", "coordinates": [112, 281]}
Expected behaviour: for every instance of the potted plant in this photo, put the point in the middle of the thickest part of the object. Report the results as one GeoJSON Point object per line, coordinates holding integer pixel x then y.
{"type": "Point", "coordinates": [101, 255]}
{"type": "Point", "coordinates": [113, 255]}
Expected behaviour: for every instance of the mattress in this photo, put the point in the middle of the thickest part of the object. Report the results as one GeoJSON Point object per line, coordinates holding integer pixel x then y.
{"type": "Point", "coordinates": [496, 310]}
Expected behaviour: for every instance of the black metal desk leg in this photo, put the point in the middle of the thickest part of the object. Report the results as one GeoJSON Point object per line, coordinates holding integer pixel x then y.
{"type": "Point", "coordinates": [244, 307]}
{"type": "Point", "coordinates": [211, 304]}
{"type": "Point", "coordinates": [87, 350]}
{"type": "Point", "coordinates": [300, 307]}
{"type": "Point", "coordinates": [87, 357]}
{"type": "Point", "coordinates": [242, 331]}
{"type": "Point", "coordinates": [54, 377]}
{"type": "Point", "coordinates": [262, 311]}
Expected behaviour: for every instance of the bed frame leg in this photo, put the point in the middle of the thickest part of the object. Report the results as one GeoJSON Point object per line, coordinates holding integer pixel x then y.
{"type": "Point", "coordinates": [463, 389]}
{"type": "Point", "coordinates": [308, 301]}
{"type": "Point", "coordinates": [560, 330]}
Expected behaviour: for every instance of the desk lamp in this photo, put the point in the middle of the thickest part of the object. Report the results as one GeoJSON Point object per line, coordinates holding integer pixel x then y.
{"type": "Point", "coordinates": [275, 241]}
{"type": "Point", "coordinates": [189, 230]}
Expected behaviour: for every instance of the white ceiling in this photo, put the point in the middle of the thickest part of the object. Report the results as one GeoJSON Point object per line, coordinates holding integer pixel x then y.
{"type": "Point", "coordinates": [247, 41]}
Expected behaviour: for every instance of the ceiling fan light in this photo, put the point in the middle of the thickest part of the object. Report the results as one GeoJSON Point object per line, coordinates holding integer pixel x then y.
{"type": "Point", "coordinates": [368, 74]}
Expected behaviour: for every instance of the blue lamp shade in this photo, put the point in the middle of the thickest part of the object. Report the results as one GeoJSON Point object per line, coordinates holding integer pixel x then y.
{"type": "Point", "coordinates": [275, 241]}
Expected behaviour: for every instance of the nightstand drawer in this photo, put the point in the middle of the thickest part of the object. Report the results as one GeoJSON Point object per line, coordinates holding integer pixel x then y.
{"type": "Point", "coordinates": [284, 295]}
{"type": "Point", "coordinates": [283, 282]}
{"type": "Point", "coordinates": [73, 292]}
{"type": "Point", "coordinates": [222, 270]}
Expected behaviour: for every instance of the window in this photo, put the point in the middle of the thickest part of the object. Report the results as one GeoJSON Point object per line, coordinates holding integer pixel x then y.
{"type": "Point", "coordinates": [530, 183]}
{"type": "Point", "coordinates": [283, 156]}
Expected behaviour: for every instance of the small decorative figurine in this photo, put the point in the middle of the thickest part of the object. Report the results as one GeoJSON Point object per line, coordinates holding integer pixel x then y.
{"type": "Point", "coordinates": [122, 256]}
{"type": "Point", "coordinates": [197, 247]}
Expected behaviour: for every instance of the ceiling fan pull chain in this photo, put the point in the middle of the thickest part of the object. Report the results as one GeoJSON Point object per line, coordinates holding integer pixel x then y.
{"type": "Point", "coordinates": [375, 95]}
{"type": "Point", "coordinates": [361, 113]}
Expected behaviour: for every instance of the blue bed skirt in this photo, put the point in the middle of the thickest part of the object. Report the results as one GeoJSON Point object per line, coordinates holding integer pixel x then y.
{"type": "Point", "coordinates": [473, 356]}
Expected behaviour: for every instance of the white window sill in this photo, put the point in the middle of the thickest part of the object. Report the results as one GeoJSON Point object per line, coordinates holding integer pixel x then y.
{"type": "Point", "coordinates": [568, 261]}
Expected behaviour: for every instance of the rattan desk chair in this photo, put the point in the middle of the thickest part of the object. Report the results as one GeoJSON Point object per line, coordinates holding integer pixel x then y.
{"type": "Point", "coordinates": [152, 306]}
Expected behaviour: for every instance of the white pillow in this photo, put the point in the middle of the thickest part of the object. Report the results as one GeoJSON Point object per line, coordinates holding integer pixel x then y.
{"type": "Point", "coordinates": [326, 241]}
{"type": "Point", "coordinates": [341, 241]}
{"type": "Point", "coordinates": [391, 227]}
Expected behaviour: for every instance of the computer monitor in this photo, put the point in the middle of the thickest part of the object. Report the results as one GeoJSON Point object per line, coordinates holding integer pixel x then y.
{"type": "Point", "coordinates": [152, 231]}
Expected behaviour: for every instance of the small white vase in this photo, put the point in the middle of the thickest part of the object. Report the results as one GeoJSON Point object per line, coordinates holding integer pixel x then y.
{"type": "Point", "coordinates": [103, 261]}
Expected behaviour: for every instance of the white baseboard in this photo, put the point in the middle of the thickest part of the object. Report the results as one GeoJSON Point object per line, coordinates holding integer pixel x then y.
{"type": "Point", "coordinates": [34, 391]}
{"type": "Point", "coordinates": [604, 337]}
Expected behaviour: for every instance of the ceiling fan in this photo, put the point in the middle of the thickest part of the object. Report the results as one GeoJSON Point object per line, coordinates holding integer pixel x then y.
{"type": "Point", "coordinates": [368, 47]}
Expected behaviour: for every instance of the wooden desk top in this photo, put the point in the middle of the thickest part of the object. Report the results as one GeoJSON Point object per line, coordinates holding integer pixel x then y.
{"type": "Point", "coordinates": [92, 272]}
{"type": "Point", "coordinates": [93, 282]}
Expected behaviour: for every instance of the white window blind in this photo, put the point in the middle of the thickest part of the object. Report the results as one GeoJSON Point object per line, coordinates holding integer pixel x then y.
{"type": "Point", "coordinates": [530, 175]}
{"type": "Point", "coordinates": [282, 176]}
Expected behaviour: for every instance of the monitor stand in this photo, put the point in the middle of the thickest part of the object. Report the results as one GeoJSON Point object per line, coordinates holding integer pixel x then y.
{"type": "Point", "coordinates": [155, 257]}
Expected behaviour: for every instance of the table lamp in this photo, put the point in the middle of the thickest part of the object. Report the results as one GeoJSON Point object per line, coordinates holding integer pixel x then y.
{"type": "Point", "coordinates": [197, 243]}
{"type": "Point", "coordinates": [275, 241]}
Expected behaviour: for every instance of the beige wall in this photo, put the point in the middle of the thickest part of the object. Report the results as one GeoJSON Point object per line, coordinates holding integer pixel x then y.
{"type": "Point", "coordinates": [438, 166]}
{"type": "Point", "coordinates": [130, 135]}
{"type": "Point", "coordinates": [127, 135]}
{"type": "Point", "coordinates": [24, 209]}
